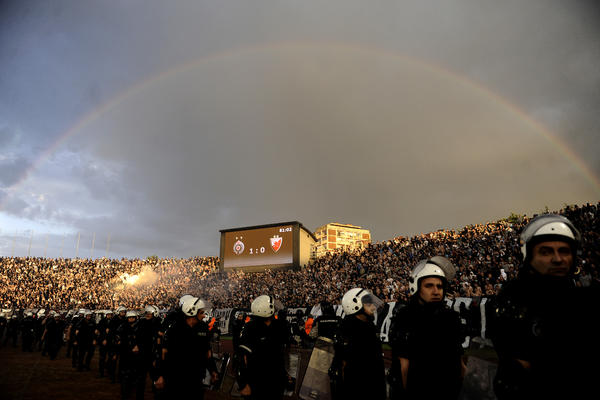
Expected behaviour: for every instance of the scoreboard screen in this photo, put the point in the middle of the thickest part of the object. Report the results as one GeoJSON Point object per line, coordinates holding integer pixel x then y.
{"type": "Point", "coordinates": [266, 246]}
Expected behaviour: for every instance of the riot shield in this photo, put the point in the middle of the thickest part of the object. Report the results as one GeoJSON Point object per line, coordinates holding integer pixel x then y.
{"type": "Point", "coordinates": [316, 385]}
{"type": "Point", "coordinates": [222, 365]}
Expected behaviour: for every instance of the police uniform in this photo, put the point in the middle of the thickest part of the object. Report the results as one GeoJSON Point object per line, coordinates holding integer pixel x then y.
{"type": "Point", "coordinates": [430, 336]}
{"type": "Point", "coordinates": [52, 337]}
{"type": "Point", "coordinates": [72, 348]}
{"type": "Point", "coordinates": [543, 326]}
{"type": "Point", "coordinates": [103, 329]}
{"type": "Point", "coordinates": [264, 348]}
{"type": "Point", "coordinates": [129, 358]}
{"type": "Point", "coordinates": [27, 333]}
{"type": "Point", "coordinates": [147, 335]}
{"type": "Point", "coordinates": [186, 360]}
{"type": "Point", "coordinates": [359, 356]}
{"type": "Point", "coordinates": [550, 323]}
{"type": "Point", "coordinates": [12, 331]}
{"type": "Point", "coordinates": [85, 337]}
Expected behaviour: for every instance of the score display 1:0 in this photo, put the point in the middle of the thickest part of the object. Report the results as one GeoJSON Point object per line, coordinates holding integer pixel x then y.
{"type": "Point", "coordinates": [262, 250]}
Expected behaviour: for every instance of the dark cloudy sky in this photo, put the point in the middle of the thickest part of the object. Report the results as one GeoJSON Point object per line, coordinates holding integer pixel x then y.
{"type": "Point", "coordinates": [159, 123]}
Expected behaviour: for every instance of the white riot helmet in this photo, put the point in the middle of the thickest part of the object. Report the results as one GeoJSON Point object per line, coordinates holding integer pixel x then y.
{"type": "Point", "coordinates": [121, 309]}
{"type": "Point", "coordinates": [131, 313]}
{"type": "Point", "coordinates": [437, 266]}
{"type": "Point", "coordinates": [263, 306]}
{"type": "Point", "coordinates": [184, 298]}
{"type": "Point", "coordinates": [548, 227]}
{"type": "Point", "coordinates": [150, 310]}
{"type": "Point", "coordinates": [355, 299]}
{"type": "Point", "coordinates": [192, 305]}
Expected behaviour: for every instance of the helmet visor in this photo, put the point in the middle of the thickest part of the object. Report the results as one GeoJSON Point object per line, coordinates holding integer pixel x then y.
{"type": "Point", "coordinates": [372, 303]}
{"type": "Point", "coordinates": [417, 269]}
{"type": "Point", "coordinates": [278, 305]}
{"type": "Point", "coordinates": [207, 305]}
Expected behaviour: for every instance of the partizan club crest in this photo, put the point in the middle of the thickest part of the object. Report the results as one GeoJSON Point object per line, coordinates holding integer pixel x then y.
{"type": "Point", "coordinates": [238, 247]}
{"type": "Point", "coordinates": [276, 242]}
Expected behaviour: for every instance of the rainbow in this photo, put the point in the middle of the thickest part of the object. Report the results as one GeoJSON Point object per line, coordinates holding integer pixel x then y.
{"type": "Point", "coordinates": [87, 119]}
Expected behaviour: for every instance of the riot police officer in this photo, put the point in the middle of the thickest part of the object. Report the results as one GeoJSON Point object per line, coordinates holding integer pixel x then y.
{"type": "Point", "coordinates": [358, 369]}
{"type": "Point", "coordinates": [12, 330]}
{"type": "Point", "coordinates": [129, 354]}
{"type": "Point", "coordinates": [103, 330]}
{"type": "Point", "coordinates": [52, 336]}
{"type": "Point", "coordinates": [543, 327]}
{"type": "Point", "coordinates": [39, 322]}
{"type": "Point", "coordinates": [113, 366]}
{"type": "Point", "coordinates": [85, 339]}
{"type": "Point", "coordinates": [70, 336]}
{"type": "Point", "coordinates": [27, 332]}
{"type": "Point", "coordinates": [186, 353]}
{"type": "Point", "coordinates": [147, 332]}
{"type": "Point", "coordinates": [426, 337]}
{"type": "Point", "coordinates": [263, 344]}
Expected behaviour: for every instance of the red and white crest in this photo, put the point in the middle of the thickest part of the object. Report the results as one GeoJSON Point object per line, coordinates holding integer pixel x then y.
{"type": "Point", "coordinates": [276, 242]}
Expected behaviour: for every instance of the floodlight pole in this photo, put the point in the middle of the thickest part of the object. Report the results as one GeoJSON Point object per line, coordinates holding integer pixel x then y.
{"type": "Point", "coordinates": [12, 253]}
{"type": "Point", "coordinates": [62, 244]}
{"type": "Point", "coordinates": [93, 241]}
{"type": "Point", "coordinates": [30, 240]}
{"type": "Point", "coordinates": [77, 247]}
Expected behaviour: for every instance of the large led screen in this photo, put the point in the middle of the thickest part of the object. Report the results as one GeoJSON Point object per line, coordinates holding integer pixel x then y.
{"type": "Point", "coordinates": [257, 247]}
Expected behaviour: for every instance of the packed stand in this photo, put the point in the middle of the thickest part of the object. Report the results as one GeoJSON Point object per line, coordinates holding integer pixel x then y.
{"type": "Point", "coordinates": [486, 255]}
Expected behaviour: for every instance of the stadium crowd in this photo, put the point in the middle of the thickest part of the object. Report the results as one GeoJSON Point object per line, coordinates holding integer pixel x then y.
{"type": "Point", "coordinates": [486, 255]}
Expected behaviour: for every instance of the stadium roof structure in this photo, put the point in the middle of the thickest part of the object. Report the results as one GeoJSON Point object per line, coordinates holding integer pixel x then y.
{"type": "Point", "coordinates": [244, 228]}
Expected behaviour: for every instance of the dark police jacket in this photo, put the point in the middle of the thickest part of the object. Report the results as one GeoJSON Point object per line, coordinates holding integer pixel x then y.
{"type": "Point", "coordinates": [186, 359]}
{"type": "Point", "coordinates": [265, 349]}
{"type": "Point", "coordinates": [126, 339]}
{"type": "Point", "coordinates": [147, 334]}
{"type": "Point", "coordinates": [359, 354]}
{"type": "Point", "coordinates": [430, 337]}
{"type": "Point", "coordinates": [550, 323]}
{"type": "Point", "coordinates": [85, 332]}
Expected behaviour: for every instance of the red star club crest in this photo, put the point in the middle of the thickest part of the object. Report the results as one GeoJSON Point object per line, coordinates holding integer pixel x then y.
{"type": "Point", "coordinates": [276, 242]}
